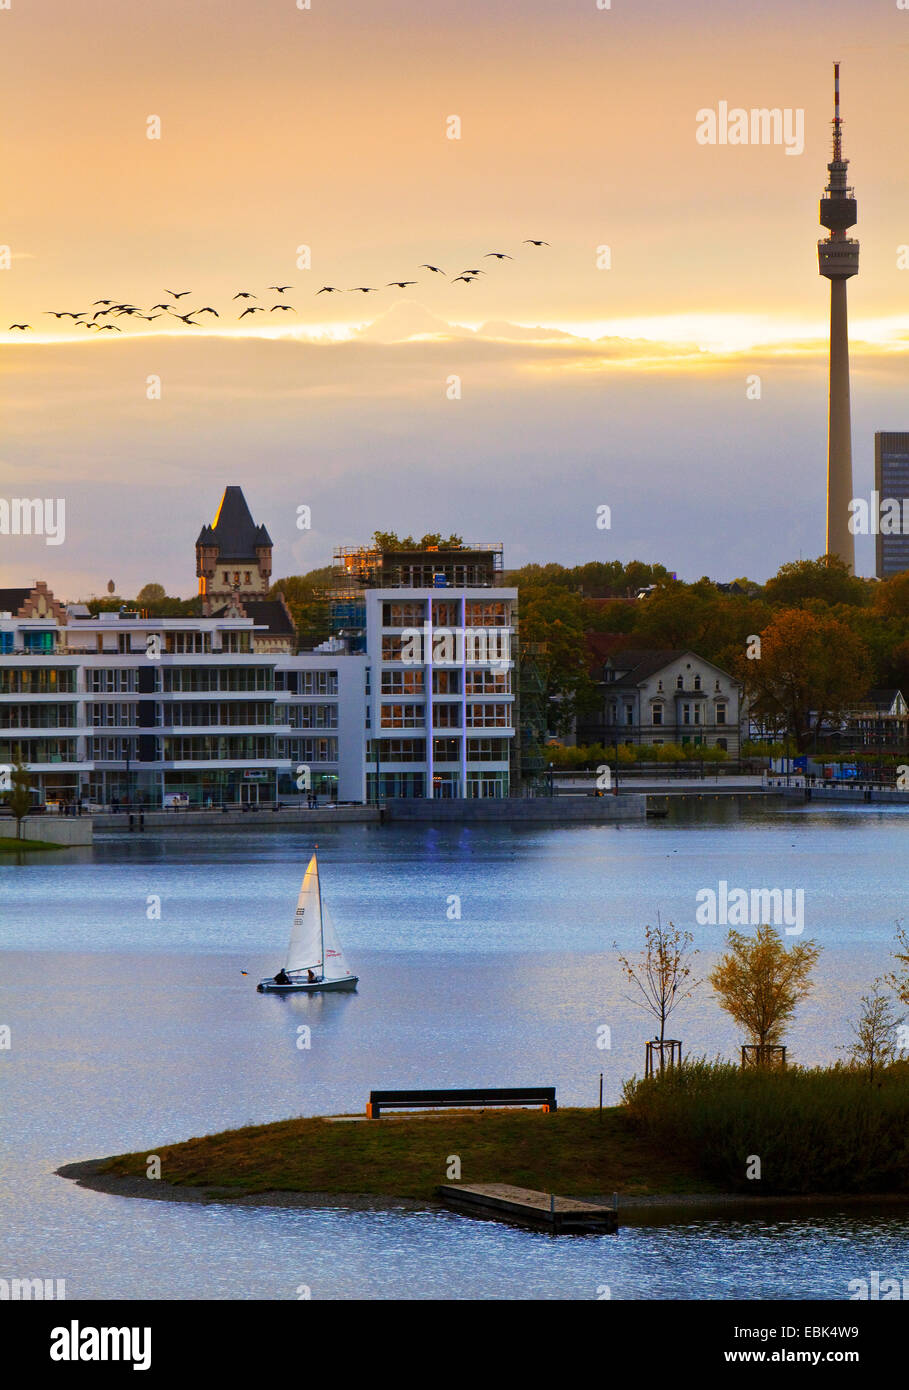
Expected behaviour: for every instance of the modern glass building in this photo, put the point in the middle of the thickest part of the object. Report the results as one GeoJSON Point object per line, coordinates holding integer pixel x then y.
{"type": "Point", "coordinates": [891, 481]}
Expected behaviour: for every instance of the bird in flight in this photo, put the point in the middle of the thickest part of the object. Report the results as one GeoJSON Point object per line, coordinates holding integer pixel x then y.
{"type": "Point", "coordinates": [434, 268]}
{"type": "Point", "coordinates": [468, 279]}
{"type": "Point", "coordinates": [529, 241]}
{"type": "Point", "coordinates": [254, 309]}
{"type": "Point", "coordinates": [177, 294]}
{"type": "Point", "coordinates": [101, 301]}
{"type": "Point", "coordinates": [109, 328]}
{"type": "Point", "coordinates": [207, 310]}
{"type": "Point", "coordinates": [401, 284]}
{"type": "Point", "coordinates": [280, 288]}
{"type": "Point", "coordinates": [285, 307]}
{"type": "Point", "coordinates": [244, 294]}
{"type": "Point", "coordinates": [161, 306]}
{"type": "Point", "coordinates": [148, 317]}
{"type": "Point", "coordinates": [22, 326]}
{"type": "Point", "coordinates": [363, 289]}
{"type": "Point", "coordinates": [473, 272]}
{"type": "Point", "coordinates": [188, 318]}
{"type": "Point", "coordinates": [65, 314]}
{"type": "Point", "coordinates": [328, 289]}
{"type": "Point", "coordinates": [499, 255]}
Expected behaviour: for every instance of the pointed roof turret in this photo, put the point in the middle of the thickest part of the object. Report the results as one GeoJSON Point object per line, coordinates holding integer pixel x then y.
{"type": "Point", "coordinates": [233, 530]}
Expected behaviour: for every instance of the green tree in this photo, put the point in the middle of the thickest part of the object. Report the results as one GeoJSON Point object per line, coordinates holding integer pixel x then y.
{"type": "Point", "coordinates": [19, 796]}
{"type": "Point", "coordinates": [898, 979]}
{"type": "Point", "coordinates": [828, 579]}
{"type": "Point", "coordinates": [760, 983]}
{"type": "Point", "coordinates": [151, 593]}
{"type": "Point", "coordinates": [304, 596]}
{"type": "Point", "coordinates": [389, 540]}
{"type": "Point", "coordinates": [873, 1045]}
{"type": "Point", "coordinates": [554, 622]}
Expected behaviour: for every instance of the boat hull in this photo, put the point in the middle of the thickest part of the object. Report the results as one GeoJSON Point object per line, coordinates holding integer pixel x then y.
{"type": "Point", "coordinates": [349, 982]}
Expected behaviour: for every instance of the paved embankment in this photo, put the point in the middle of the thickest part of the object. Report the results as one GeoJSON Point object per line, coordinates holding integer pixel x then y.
{"type": "Point", "coordinates": [289, 817]}
{"type": "Point", "coordinates": [521, 810]}
{"type": "Point", "coordinates": [54, 830]}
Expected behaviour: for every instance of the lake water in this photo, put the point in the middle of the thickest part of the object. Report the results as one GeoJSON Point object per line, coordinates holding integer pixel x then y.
{"type": "Point", "coordinates": [131, 1029]}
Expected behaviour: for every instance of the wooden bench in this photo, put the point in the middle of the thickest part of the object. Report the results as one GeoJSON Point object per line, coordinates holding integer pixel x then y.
{"type": "Point", "coordinates": [544, 1096]}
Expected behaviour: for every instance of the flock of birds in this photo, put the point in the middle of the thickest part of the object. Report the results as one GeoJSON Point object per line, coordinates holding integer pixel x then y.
{"type": "Point", "coordinates": [110, 308]}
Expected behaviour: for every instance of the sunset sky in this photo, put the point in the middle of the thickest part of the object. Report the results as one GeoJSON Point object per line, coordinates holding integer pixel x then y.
{"type": "Point", "coordinates": [580, 386]}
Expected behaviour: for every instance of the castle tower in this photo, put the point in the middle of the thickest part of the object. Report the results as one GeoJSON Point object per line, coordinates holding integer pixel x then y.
{"type": "Point", "coordinates": [233, 555]}
{"type": "Point", "coordinates": [838, 257]}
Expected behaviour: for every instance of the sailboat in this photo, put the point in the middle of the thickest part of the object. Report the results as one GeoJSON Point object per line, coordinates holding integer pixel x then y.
{"type": "Point", "coordinates": [315, 961]}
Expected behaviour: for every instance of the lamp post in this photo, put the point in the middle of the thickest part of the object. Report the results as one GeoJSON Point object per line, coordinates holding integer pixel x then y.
{"type": "Point", "coordinates": [551, 789]}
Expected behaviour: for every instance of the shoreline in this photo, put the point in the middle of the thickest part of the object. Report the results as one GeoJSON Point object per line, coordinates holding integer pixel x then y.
{"type": "Point", "coordinates": [89, 1173]}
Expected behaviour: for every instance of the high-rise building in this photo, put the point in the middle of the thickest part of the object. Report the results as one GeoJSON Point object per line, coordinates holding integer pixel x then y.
{"type": "Point", "coordinates": [838, 258]}
{"type": "Point", "coordinates": [891, 480]}
{"type": "Point", "coordinates": [439, 631]}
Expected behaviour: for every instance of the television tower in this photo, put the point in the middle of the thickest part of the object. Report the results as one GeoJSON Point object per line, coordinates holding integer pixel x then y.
{"type": "Point", "coordinates": [838, 257]}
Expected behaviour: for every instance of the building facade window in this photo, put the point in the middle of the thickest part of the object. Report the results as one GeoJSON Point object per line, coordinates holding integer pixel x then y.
{"type": "Point", "coordinates": [397, 750]}
{"type": "Point", "coordinates": [402, 717]}
{"type": "Point", "coordinates": [409, 682]}
{"type": "Point", "coordinates": [489, 716]}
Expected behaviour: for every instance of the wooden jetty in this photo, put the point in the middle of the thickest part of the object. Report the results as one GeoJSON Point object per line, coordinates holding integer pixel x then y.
{"type": "Point", "coordinates": [542, 1211]}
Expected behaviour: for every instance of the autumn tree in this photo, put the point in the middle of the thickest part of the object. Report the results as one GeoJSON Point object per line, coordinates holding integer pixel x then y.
{"type": "Point", "coordinates": [812, 669]}
{"type": "Point", "coordinates": [661, 976]}
{"type": "Point", "coordinates": [874, 1042]}
{"type": "Point", "coordinates": [19, 795]}
{"type": "Point", "coordinates": [760, 983]}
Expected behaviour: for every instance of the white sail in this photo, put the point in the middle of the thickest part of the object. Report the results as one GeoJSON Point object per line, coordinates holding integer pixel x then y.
{"type": "Point", "coordinates": [305, 949]}
{"type": "Point", "coordinates": [335, 964]}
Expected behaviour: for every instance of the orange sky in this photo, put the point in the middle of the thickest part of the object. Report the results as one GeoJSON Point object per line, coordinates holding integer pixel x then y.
{"type": "Point", "coordinates": [326, 127]}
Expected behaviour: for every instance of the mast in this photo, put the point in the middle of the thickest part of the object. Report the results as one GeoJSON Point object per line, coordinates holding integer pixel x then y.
{"type": "Point", "coordinates": [321, 922]}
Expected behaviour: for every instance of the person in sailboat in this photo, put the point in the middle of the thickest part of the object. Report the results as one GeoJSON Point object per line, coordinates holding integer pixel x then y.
{"type": "Point", "coordinates": [282, 978]}
{"type": "Point", "coordinates": [310, 977]}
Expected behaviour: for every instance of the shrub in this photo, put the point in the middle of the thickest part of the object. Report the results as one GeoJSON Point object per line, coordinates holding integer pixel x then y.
{"type": "Point", "coordinates": [814, 1130]}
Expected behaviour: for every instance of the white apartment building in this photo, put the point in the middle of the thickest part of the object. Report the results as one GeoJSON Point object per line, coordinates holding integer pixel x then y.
{"type": "Point", "coordinates": [441, 696]}
{"type": "Point", "coordinates": [120, 708]}
{"type": "Point", "coordinates": [416, 699]}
